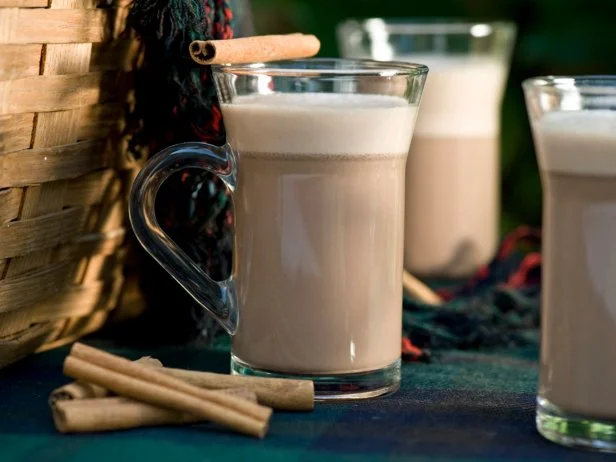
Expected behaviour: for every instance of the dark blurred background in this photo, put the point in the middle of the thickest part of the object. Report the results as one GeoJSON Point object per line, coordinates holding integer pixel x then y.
{"type": "Point", "coordinates": [554, 37]}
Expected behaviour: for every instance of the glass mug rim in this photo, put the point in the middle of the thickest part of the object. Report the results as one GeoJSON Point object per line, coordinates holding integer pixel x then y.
{"type": "Point", "coordinates": [325, 67]}
{"type": "Point", "coordinates": [605, 83]}
{"type": "Point", "coordinates": [431, 26]}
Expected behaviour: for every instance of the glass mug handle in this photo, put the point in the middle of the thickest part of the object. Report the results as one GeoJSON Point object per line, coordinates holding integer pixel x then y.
{"type": "Point", "coordinates": [218, 298]}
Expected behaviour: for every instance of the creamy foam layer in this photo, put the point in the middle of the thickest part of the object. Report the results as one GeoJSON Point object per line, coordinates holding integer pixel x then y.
{"type": "Point", "coordinates": [580, 142]}
{"type": "Point", "coordinates": [462, 96]}
{"type": "Point", "coordinates": [323, 123]}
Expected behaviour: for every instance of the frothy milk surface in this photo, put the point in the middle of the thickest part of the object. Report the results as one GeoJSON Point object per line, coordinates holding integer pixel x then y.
{"type": "Point", "coordinates": [462, 95]}
{"type": "Point", "coordinates": [319, 212]}
{"type": "Point", "coordinates": [577, 155]}
{"type": "Point", "coordinates": [319, 123]}
{"type": "Point", "coordinates": [581, 142]}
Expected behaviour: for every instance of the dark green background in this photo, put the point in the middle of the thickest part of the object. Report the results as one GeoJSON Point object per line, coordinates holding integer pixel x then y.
{"type": "Point", "coordinates": [555, 37]}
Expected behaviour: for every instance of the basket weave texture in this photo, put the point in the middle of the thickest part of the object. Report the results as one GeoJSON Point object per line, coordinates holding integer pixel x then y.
{"type": "Point", "coordinates": [65, 85]}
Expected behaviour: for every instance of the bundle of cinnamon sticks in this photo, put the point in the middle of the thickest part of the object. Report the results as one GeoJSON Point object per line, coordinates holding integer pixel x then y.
{"type": "Point", "coordinates": [148, 394]}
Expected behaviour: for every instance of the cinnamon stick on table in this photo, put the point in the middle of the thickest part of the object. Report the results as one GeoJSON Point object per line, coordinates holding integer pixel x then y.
{"type": "Point", "coordinates": [148, 385]}
{"type": "Point", "coordinates": [260, 48]}
{"type": "Point", "coordinates": [105, 414]}
{"type": "Point", "coordinates": [284, 394]}
{"type": "Point", "coordinates": [84, 390]}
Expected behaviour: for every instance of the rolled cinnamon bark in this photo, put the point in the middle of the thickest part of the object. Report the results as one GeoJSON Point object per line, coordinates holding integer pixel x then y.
{"type": "Point", "coordinates": [417, 289]}
{"type": "Point", "coordinates": [77, 390]}
{"type": "Point", "coordinates": [260, 48]}
{"type": "Point", "coordinates": [154, 376]}
{"type": "Point", "coordinates": [161, 396]}
{"type": "Point", "coordinates": [150, 386]}
{"type": "Point", "coordinates": [81, 390]}
{"type": "Point", "coordinates": [106, 414]}
{"type": "Point", "coordinates": [284, 394]}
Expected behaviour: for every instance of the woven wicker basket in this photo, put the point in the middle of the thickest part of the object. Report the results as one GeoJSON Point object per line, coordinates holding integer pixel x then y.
{"type": "Point", "coordinates": [65, 83]}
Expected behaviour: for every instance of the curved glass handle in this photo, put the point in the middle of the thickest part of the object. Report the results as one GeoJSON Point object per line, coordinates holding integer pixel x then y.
{"type": "Point", "coordinates": [218, 298]}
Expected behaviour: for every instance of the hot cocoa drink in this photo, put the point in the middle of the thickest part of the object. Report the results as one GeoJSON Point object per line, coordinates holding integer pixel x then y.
{"type": "Point", "coordinates": [319, 229]}
{"type": "Point", "coordinates": [315, 165]}
{"type": "Point", "coordinates": [577, 159]}
{"type": "Point", "coordinates": [452, 176]}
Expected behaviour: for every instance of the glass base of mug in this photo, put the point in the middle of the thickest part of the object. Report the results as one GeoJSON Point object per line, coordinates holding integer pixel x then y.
{"type": "Point", "coordinates": [359, 385]}
{"type": "Point", "coordinates": [574, 431]}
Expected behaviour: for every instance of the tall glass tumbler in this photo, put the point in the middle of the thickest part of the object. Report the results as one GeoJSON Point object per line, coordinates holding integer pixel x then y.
{"type": "Point", "coordinates": [453, 169]}
{"type": "Point", "coordinates": [574, 128]}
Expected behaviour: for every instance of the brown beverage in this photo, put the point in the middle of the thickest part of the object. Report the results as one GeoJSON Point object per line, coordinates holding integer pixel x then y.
{"type": "Point", "coordinates": [577, 158]}
{"type": "Point", "coordinates": [452, 175]}
{"type": "Point", "coordinates": [319, 229]}
{"type": "Point", "coordinates": [452, 201]}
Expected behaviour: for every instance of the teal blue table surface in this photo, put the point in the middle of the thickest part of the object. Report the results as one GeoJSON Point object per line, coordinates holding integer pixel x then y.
{"type": "Point", "coordinates": [464, 407]}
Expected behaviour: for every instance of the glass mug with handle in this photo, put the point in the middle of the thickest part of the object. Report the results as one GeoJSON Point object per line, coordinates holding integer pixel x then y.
{"type": "Point", "coordinates": [315, 159]}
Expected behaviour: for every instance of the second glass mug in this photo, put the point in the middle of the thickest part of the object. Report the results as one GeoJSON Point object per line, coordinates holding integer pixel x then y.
{"type": "Point", "coordinates": [453, 169]}
{"type": "Point", "coordinates": [315, 159]}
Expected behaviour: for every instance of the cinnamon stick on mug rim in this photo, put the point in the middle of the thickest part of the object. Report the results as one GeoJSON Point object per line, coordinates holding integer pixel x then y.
{"type": "Point", "coordinates": [148, 385]}
{"type": "Point", "coordinates": [259, 48]}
